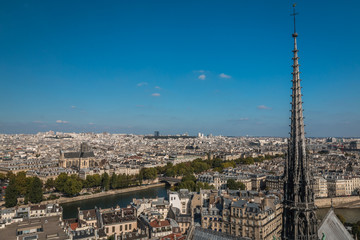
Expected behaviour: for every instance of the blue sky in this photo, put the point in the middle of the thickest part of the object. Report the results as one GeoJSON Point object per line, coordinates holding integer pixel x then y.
{"type": "Point", "coordinates": [220, 67]}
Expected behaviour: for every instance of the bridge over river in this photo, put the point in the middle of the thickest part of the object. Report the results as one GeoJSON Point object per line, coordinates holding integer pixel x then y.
{"type": "Point", "coordinates": [169, 180]}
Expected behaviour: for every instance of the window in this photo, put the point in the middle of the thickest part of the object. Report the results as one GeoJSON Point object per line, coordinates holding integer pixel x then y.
{"type": "Point", "coordinates": [120, 228]}
{"type": "Point", "coordinates": [129, 226]}
{"type": "Point", "coordinates": [113, 229]}
{"type": "Point", "coordinates": [125, 227]}
{"type": "Point", "coordinates": [107, 230]}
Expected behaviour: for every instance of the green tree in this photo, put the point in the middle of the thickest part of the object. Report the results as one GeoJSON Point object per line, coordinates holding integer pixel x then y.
{"type": "Point", "coordinates": [72, 186]}
{"type": "Point", "coordinates": [149, 173]}
{"type": "Point", "coordinates": [60, 182]}
{"type": "Point", "coordinates": [35, 193]}
{"type": "Point", "coordinates": [22, 183]}
{"type": "Point", "coordinates": [233, 185]}
{"type": "Point", "coordinates": [246, 161]}
{"type": "Point", "coordinates": [50, 183]}
{"type": "Point", "coordinates": [216, 163]}
{"type": "Point", "coordinates": [241, 185]}
{"type": "Point", "coordinates": [170, 172]}
{"type": "Point", "coordinates": [199, 166]}
{"type": "Point", "coordinates": [97, 180]}
{"type": "Point", "coordinates": [187, 185]}
{"type": "Point", "coordinates": [89, 181]}
{"type": "Point", "coordinates": [228, 164]}
{"type": "Point", "coordinates": [189, 178]}
{"type": "Point", "coordinates": [11, 194]}
{"type": "Point", "coordinates": [10, 175]}
{"type": "Point", "coordinates": [113, 181]}
{"type": "Point", "coordinates": [105, 181]}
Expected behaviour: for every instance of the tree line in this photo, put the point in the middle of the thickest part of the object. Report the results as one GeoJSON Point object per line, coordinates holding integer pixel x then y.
{"type": "Point", "coordinates": [189, 182]}
{"type": "Point", "coordinates": [72, 185]}
{"type": "Point", "coordinates": [30, 188]}
{"type": "Point", "coordinates": [199, 165]}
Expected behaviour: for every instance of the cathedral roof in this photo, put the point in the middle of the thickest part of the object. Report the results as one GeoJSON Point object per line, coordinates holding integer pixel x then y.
{"type": "Point", "coordinates": [79, 154]}
{"type": "Point", "coordinates": [332, 228]}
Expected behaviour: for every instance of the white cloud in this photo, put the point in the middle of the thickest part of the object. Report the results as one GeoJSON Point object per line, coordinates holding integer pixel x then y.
{"type": "Point", "coordinates": [61, 121]}
{"type": "Point", "coordinates": [157, 87]}
{"type": "Point", "coordinates": [263, 107]}
{"type": "Point", "coordinates": [243, 119]}
{"type": "Point", "coordinates": [223, 75]}
{"type": "Point", "coordinates": [155, 94]}
{"type": "Point", "coordinates": [73, 107]}
{"type": "Point", "coordinates": [90, 123]}
{"type": "Point", "coordinates": [198, 71]}
{"type": "Point", "coordinates": [202, 77]}
{"type": "Point", "coordinates": [142, 84]}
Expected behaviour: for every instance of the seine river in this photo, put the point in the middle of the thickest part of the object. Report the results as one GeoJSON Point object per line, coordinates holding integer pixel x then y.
{"type": "Point", "coordinates": [123, 199]}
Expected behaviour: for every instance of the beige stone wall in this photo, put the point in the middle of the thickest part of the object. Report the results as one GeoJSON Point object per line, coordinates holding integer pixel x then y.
{"type": "Point", "coordinates": [339, 202]}
{"type": "Point", "coordinates": [120, 228]}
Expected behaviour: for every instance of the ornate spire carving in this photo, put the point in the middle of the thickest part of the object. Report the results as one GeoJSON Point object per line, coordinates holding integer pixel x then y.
{"type": "Point", "coordinates": [299, 217]}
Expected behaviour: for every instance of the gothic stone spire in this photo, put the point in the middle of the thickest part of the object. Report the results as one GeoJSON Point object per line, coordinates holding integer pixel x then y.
{"type": "Point", "coordinates": [299, 217]}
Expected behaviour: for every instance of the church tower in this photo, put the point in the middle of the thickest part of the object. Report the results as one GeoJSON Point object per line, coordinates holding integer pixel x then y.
{"type": "Point", "coordinates": [299, 216]}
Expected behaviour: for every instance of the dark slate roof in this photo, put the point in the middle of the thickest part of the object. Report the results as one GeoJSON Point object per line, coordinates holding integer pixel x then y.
{"type": "Point", "coordinates": [239, 203]}
{"type": "Point", "coordinates": [227, 203]}
{"type": "Point", "coordinates": [116, 217]}
{"type": "Point", "coordinates": [83, 234]}
{"type": "Point", "coordinates": [332, 228]}
{"type": "Point", "coordinates": [253, 208]}
{"type": "Point", "coordinates": [79, 154]}
{"type": "Point", "coordinates": [134, 235]}
{"type": "Point", "coordinates": [89, 214]}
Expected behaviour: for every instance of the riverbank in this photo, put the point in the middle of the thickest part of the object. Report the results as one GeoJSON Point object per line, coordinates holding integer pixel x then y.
{"type": "Point", "coordinates": [337, 202]}
{"type": "Point", "coordinates": [103, 194]}
{"type": "Point", "coordinates": [70, 209]}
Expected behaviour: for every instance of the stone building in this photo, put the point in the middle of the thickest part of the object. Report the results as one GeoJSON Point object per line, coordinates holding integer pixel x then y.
{"type": "Point", "coordinates": [84, 158]}
{"type": "Point", "coordinates": [320, 187]}
{"type": "Point", "coordinates": [181, 200]}
{"type": "Point", "coordinates": [243, 218]}
{"type": "Point", "coordinates": [274, 182]}
{"type": "Point", "coordinates": [256, 221]}
{"type": "Point", "coordinates": [219, 181]}
{"type": "Point", "coordinates": [88, 217]}
{"type": "Point", "coordinates": [336, 187]}
{"type": "Point", "coordinates": [258, 182]}
{"type": "Point", "coordinates": [118, 221]}
{"type": "Point", "coordinates": [184, 220]}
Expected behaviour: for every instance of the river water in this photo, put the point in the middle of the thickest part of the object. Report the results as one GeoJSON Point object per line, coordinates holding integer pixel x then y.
{"type": "Point", "coordinates": [123, 199]}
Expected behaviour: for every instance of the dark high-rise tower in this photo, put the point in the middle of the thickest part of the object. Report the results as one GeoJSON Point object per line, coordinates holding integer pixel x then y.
{"type": "Point", "coordinates": [299, 217]}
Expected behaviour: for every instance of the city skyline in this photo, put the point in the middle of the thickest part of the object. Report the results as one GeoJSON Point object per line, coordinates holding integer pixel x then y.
{"type": "Point", "coordinates": [179, 67]}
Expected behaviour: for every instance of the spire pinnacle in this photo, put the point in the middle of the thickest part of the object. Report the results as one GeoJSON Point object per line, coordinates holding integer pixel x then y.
{"type": "Point", "coordinates": [294, 14]}
{"type": "Point", "coordinates": [299, 216]}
